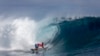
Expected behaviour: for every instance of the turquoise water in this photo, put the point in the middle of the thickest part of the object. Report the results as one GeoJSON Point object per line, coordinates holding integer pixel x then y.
{"type": "Point", "coordinates": [78, 35]}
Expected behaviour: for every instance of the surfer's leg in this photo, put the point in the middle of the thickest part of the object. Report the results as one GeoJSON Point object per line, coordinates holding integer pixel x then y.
{"type": "Point", "coordinates": [36, 50]}
{"type": "Point", "coordinates": [32, 50]}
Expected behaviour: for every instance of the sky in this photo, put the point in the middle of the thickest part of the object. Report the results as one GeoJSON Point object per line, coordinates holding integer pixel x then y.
{"type": "Point", "coordinates": [39, 9]}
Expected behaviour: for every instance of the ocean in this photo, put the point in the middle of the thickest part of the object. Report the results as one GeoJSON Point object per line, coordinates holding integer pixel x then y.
{"type": "Point", "coordinates": [73, 37]}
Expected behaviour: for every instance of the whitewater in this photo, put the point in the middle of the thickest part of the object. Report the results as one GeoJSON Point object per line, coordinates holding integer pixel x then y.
{"type": "Point", "coordinates": [62, 36]}
{"type": "Point", "coordinates": [20, 34]}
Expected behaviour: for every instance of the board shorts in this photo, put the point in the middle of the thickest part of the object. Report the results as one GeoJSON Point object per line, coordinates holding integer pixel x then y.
{"type": "Point", "coordinates": [36, 46]}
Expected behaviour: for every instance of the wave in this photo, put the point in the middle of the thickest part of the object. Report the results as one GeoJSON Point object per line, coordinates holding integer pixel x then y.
{"type": "Point", "coordinates": [77, 34]}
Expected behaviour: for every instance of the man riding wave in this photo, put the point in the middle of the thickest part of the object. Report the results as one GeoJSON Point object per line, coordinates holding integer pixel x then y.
{"type": "Point", "coordinates": [37, 47]}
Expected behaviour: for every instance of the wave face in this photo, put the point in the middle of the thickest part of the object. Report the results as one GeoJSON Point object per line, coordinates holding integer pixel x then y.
{"type": "Point", "coordinates": [77, 34]}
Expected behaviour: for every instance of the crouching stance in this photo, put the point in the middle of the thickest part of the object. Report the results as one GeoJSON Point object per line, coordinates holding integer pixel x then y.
{"type": "Point", "coordinates": [37, 47]}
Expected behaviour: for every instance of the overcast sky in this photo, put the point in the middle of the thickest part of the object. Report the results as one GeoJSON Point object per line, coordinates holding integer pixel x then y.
{"type": "Point", "coordinates": [39, 9]}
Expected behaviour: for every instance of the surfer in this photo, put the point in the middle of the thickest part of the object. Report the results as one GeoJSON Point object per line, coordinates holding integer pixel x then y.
{"type": "Point", "coordinates": [37, 46]}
